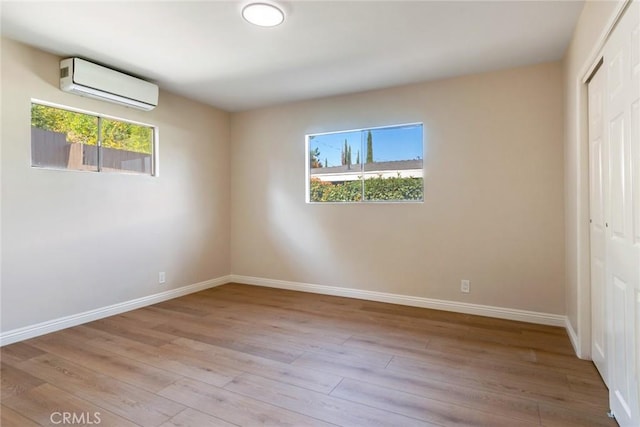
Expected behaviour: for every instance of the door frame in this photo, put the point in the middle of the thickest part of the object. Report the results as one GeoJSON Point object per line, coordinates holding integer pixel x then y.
{"type": "Point", "coordinates": [581, 339]}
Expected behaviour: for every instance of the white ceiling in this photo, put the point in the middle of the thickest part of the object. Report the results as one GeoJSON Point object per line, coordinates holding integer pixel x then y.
{"type": "Point", "coordinates": [205, 50]}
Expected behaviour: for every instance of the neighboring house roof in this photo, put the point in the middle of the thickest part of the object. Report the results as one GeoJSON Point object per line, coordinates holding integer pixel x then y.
{"type": "Point", "coordinates": [398, 165]}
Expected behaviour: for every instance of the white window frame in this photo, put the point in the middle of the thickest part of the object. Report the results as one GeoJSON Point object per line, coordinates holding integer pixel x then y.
{"type": "Point", "coordinates": [155, 166]}
{"type": "Point", "coordinates": [308, 165]}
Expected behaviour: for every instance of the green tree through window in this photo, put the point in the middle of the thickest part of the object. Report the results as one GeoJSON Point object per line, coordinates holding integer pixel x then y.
{"type": "Point", "coordinates": [67, 139]}
{"type": "Point", "coordinates": [81, 128]}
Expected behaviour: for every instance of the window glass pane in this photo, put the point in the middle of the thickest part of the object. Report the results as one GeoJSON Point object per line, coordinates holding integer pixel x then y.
{"type": "Point", "coordinates": [378, 164]}
{"type": "Point", "coordinates": [63, 139]}
{"type": "Point", "coordinates": [335, 167]}
{"type": "Point", "coordinates": [393, 163]}
{"type": "Point", "coordinates": [126, 147]}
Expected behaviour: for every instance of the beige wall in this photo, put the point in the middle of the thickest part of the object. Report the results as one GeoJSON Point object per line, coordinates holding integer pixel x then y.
{"type": "Point", "coordinates": [493, 210]}
{"type": "Point", "coordinates": [492, 213]}
{"type": "Point", "coordinates": [594, 21]}
{"type": "Point", "coordinates": [76, 241]}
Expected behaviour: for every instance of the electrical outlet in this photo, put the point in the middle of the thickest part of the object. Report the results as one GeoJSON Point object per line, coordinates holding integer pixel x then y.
{"type": "Point", "coordinates": [162, 277]}
{"type": "Point", "coordinates": [465, 286]}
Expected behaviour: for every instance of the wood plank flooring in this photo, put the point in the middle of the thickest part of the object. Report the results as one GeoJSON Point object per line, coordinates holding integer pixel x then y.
{"type": "Point", "coordinates": [239, 355]}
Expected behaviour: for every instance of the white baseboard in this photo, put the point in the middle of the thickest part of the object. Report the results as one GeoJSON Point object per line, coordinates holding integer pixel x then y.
{"type": "Point", "coordinates": [458, 307]}
{"type": "Point", "coordinates": [573, 337]}
{"type": "Point", "coordinates": [31, 331]}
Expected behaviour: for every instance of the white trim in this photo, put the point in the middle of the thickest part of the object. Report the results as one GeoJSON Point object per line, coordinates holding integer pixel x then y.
{"type": "Point", "coordinates": [400, 125]}
{"type": "Point", "coordinates": [583, 252]}
{"type": "Point", "coordinates": [596, 51]}
{"type": "Point", "coordinates": [455, 306]}
{"type": "Point", "coordinates": [573, 337]}
{"type": "Point", "coordinates": [357, 175]}
{"type": "Point", "coordinates": [88, 112]}
{"type": "Point", "coordinates": [38, 329]}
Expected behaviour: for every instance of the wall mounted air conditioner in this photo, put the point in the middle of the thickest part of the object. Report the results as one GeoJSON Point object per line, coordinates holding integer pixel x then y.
{"type": "Point", "coordinates": [88, 79]}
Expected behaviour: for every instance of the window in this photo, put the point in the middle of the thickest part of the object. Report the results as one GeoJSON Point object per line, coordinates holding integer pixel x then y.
{"type": "Point", "coordinates": [65, 139]}
{"type": "Point", "coordinates": [369, 165]}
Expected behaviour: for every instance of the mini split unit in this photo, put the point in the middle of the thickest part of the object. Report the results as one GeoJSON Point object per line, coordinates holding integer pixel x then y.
{"type": "Point", "coordinates": [95, 81]}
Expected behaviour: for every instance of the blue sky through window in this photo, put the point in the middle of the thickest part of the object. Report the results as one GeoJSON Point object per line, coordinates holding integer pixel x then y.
{"type": "Point", "coordinates": [389, 143]}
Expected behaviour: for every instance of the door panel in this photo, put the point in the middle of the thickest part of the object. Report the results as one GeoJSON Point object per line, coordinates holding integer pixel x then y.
{"type": "Point", "coordinates": [617, 157]}
{"type": "Point", "coordinates": [598, 330]}
{"type": "Point", "coordinates": [597, 223]}
{"type": "Point", "coordinates": [637, 323]}
{"type": "Point", "coordinates": [620, 349]}
{"type": "Point", "coordinates": [621, 208]}
{"type": "Point", "coordinates": [635, 125]}
{"type": "Point", "coordinates": [635, 180]}
{"type": "Point", "coordinates": [635, 161]}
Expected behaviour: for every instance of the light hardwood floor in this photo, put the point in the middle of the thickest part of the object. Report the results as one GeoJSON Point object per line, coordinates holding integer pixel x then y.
{"type": "Point", "coordinates": [244, 355]}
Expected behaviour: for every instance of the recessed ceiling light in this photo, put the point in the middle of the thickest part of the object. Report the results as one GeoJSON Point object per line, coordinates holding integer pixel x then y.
{"type": "Point", "coordinates": [263, 14]}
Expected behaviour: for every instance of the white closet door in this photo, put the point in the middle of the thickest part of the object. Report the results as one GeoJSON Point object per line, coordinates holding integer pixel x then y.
{"type": "Point", "coordinates": [597, 223]}
{"type": "Point", "coordinates": [622, 62]}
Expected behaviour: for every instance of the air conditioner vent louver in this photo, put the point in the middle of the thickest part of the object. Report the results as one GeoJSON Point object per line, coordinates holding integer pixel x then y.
{"type": "Point", "coordinates": [88, 79]}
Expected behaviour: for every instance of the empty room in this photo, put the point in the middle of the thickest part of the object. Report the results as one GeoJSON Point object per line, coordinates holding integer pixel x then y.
{"type": "Point", "coordinates": [320, 213]}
